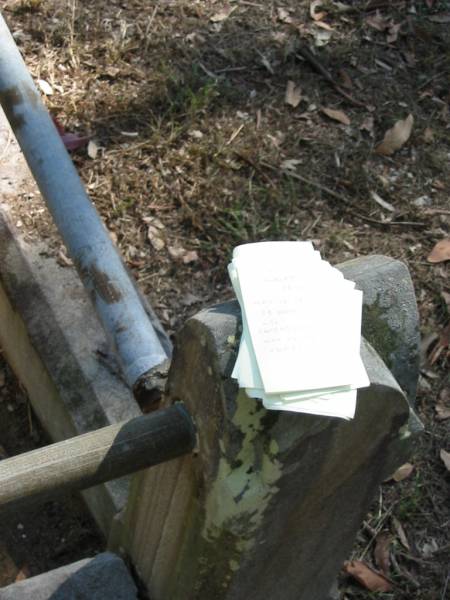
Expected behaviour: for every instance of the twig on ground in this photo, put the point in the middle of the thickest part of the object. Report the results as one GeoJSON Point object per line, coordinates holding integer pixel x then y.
{"type": "Point", "coordinates": [410, 557]}
{"type": "Point", "coordinates": [442, 549]}
{"type": "Point", "coordinates": [310, 226]}
{"type": "Point", "coordinates": [337, 196]}
{"type": "Point", "coordinates": [444, 590]}
{"type": "Point", "coordinates": [8, 143]}
{"type": "Point", "coordinates": [318, 66]}
{"type": "Point", "coordinates": [373, 5]}
{"type": "Point", "coordinates": [436, 211]}
{"type": "Point", "coordinates": [207, 71]}
{"type": "Point", "coordinates": [430, 80]}
{"type": "Point", "coordinates": [377, 530]}
{"type": "Point", "coordinates": [256, 167]}
{"type": "Point", "coordinates": [235, 133]}
{"type": "Point", "coordinates": [403, 223]}
{"type": "Point", "coordinates": [405, 574]}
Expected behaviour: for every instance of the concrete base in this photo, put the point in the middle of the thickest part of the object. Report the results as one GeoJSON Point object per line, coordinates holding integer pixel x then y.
{"type": "Point", "coordinates": [54, 343]}
{"type": "Point", "coordinates": [53, 340]}
{"type": "Point", "coordinates": [104, 577]}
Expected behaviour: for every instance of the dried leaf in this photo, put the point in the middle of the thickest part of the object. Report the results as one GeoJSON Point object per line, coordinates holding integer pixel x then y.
{"type": "Point", "coordinates": [377, 22]}
{"type": "Point", "coordinates": [443, 343]}
{"type": "Point", "coordinates": [45, 87]}
{"type": "Point", "coordinates": [72, 141]}
{"type": "Point", "coordinates": [440, 252]}
{"type": "Point", "coordinates": [180, 253]}
{"type": "Point", "coordinates": [92, 149]}
{"type": "Point", "coordinates": [442, 18]}
{"type": "Point", "coordinates": [112, 71]}
{"type": "Point", "coordinates": [155, 237]}
{"type": "Point", "coordinates": [442, 407]}
{"type": "Point", "coordinates": [190, 299]}
{"type": "Point", "coordinates": [396, 137]}
{"type": "Point", "coordinates": [381, 552]}
{"type": "Point", "coordinates": [321, 38]}
{"type": "Point", "coordinates": [428, 135]}
{"type": "Point", "coordinates": [323, 25]}
{"type": "Point", "coordinates": [379, 200]}
{"type": "Point", "coordinates": [367, 577]}
{"type": "Point", "coordinates": [403, 472]}
{"type": "Point", "coordinates": [22, 574]}
{"type": "Point", "coordinates": [190, 256]}
{"type": "Point", "coordinates": [154, 221]}
{"type": "Point", "coordinates": [445, 457]}
{"type": "Point", "coordinates": [401, 533]}
{"type": "Point", "coordinates": [345, 79]}
{"type": "Point", "coordinates": [290, 164]}
{"type": "Point", "coordinates": [176, 252]}
{"type": "Point", "coordinates": [336, 115]}
{"type": "Point", "coordinates": [341, 7]}
{"type": "Point", "coordinates": [410, 58]}
{"type": "Point", "coordinates": [293, 94]}
{"type": "Point", "coordinates": [429, 548]}
{"type": "Point", "coordinates": [129, 134]}
{"type": "Point", "coordinates": [367, 125]}
{"type": "Point", "coordinates": [393, 32]}
{"type": "Point", "coordinates": [283, 15]}
{"type": "Point", "coordinates": [314, 12]}
{"type": "Point", "coordinates": [222, 14]}
{"type": "Point", "coordinates": [63, 260]}
{"type": "Point", "coordinates": [196, 134]}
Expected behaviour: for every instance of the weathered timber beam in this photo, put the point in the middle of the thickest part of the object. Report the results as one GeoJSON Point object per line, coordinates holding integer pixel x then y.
{"type": "Point", "coordinates": [92, 458]}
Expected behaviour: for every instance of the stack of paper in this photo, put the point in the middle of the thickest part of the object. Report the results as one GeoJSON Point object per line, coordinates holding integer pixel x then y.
{"type": "Point", "coordinates": [300, 346]}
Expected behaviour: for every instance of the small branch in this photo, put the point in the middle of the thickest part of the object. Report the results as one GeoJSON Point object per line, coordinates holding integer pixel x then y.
{"type": "Point", "coordinates": [410, 557]}
{"type": "Point", "coordinates": [318, 66]}
{"type": "Point", "coordinates": [377, 530]}
{"type": "Point", "coordinates": [373, 5]}
{"type": "Point", "coordinates": [405, 574]}
{"type": "Point", "coordinates": [254, 166]}
{"type": "Point", "coordinates": [436, 211]}
{"type": "Point", "coordinates": [337, 196]}
{"type": "Point", "coordinates": [444, 591]}
{"type": "Point", "coordinates": [377, 222]}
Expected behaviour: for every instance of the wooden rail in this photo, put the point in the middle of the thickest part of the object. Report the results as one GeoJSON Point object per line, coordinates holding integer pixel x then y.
{"type": "Point", "coordinates": [92, 458]}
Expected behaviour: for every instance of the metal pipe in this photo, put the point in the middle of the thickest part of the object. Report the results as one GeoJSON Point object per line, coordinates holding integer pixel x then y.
{"type": "Point", "coordinates": [114, 297]}
{"type": "Point", "coordinates": [93, 458]}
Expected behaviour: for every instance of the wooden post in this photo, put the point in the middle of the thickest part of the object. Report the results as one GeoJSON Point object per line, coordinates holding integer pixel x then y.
{"type": "Point", "coordinates": [102, 455]}
{"type": "Point", "coordinates": [270, 505]}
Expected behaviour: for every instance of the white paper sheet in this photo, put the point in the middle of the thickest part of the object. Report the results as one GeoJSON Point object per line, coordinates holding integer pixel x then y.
{"type": "Point", "coordinates": [301, 319]}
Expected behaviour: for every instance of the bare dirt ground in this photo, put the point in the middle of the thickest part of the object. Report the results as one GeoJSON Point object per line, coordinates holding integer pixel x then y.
{"type": "Point", "coordinates": [215, 123]}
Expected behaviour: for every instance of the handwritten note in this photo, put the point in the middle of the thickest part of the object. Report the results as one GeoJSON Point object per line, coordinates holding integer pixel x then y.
{"type": "Point", "coordinates": [301, 329]}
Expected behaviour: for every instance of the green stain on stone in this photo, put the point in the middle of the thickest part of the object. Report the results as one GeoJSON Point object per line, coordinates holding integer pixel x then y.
{"type": "Point", "coordinates": [377, 329]}
{"type": "Point", "coordinates": [239, 496]}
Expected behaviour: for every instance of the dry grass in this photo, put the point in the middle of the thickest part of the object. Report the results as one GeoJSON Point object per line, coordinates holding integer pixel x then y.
{"type": "Point", "coordinates": [194, 134]}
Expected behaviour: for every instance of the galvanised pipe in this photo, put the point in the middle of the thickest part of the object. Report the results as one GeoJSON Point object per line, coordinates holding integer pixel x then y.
{"type": "Point", "coordinates": [88, 243]}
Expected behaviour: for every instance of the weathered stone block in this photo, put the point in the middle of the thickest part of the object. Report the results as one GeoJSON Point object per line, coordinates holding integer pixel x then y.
{"type": "Point", "coordinates": [390, 315]}
{"type": "Point", "coordinates": [270, 504]}
{"type": "Point", "coordinates": [104, 577]}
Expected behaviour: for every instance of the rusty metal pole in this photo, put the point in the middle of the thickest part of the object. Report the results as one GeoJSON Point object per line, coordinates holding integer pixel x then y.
{"type": "Point", "coordinates": [114, 296]}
